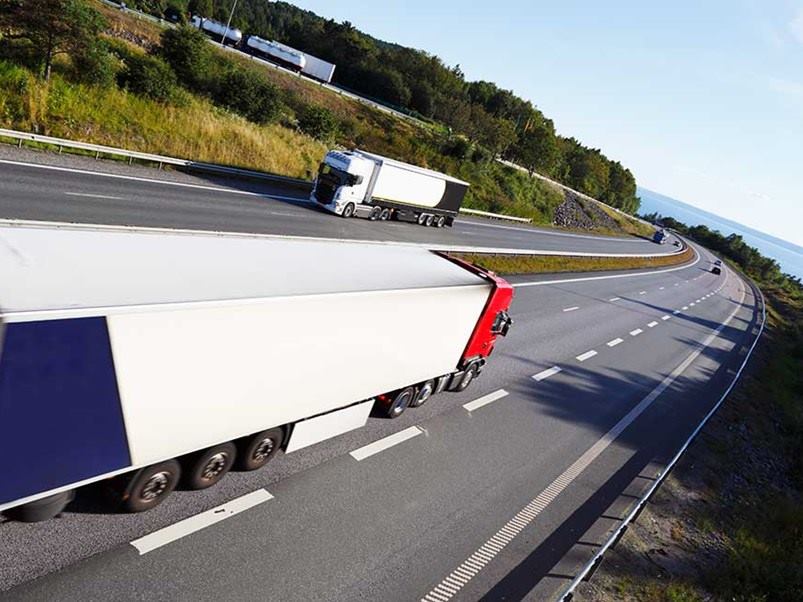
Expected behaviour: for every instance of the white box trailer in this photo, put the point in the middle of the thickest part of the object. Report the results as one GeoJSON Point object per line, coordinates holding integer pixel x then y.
{"type": "Point", "coordinates": [363, 184]}
{"type": "Point", "coordinates": [318, 68]}
{"type": "Point", "coordinates": [124, 350]}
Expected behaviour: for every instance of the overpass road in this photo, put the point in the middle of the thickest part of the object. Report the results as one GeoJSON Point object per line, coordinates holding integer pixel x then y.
{"type": "Point", "coordinates": [44, 186]}
{"type": "Point", "coordinates": [500, 492]}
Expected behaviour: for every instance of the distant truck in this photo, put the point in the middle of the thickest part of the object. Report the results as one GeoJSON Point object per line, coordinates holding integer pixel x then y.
{"type": "Point", "coordinates": [659, 237]}
{"type": "Point", "coordinates": [276, 53]}
{"type": "Point", "coordinates": [361, 184]}
{"type": "Point", "coordinates": [218, 31]}
{"type": "Point", "coordinates": [145, 358]}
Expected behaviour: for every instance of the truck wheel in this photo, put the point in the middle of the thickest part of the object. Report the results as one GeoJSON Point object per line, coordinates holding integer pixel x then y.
{"type": "Point", "coordinates": [149, 487]}
{"type": "Point", "coordinates": [430, 219]}
{"type": "Point", "coordinates": [468, 377]}
{"type": "Point", "coordinates": [257, 450]}
{"type": "Point", "coordinates": [422, 217]}
{"type": "Point", "coordinates": [375, 213]}
{"type": "Point", "coordinates": [425, 391]}
{"type": "Point", "coordinates": [206, 468]}
{"type": "Point", "coordinates": [42, 509]}
{"type": "Point", "coordinates": [440, 222]}
{"type": "Point", "coordinates": [385, 214]}
{"type": "Point", "coordinates": [401, 400]}
{"type": "Point", "coordinates": [348, 211]}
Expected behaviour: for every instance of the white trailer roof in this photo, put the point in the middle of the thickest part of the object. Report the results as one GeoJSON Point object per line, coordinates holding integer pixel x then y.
{"type": "Point", "coordinates": [65, 271]}
{"type": "Point", "coordinates": [410, 167]}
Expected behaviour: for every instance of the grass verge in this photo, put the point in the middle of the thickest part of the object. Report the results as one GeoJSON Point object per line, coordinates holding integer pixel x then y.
{"type": "Point", "coordinates": [530, 264]}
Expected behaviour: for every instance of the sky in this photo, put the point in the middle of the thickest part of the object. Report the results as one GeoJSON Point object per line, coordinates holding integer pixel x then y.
{"type": "Point", "coordinates": [703, 101]}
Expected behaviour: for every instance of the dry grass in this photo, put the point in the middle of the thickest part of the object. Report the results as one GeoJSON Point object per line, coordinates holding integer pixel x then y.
{"type": "Point", "coordinates": [533, 264]}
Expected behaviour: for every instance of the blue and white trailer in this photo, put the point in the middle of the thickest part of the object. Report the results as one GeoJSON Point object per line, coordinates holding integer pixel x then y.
{"type": "Point", "coordinates": [146, 356]}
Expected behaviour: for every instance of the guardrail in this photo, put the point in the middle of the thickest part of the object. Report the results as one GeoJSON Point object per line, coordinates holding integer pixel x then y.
{"type": "Point", "coordinates": [490, 215]}
{"type": "Point", "coordinates": [100, 150]}
{"type": "Point", "coordinates": [589, 568]}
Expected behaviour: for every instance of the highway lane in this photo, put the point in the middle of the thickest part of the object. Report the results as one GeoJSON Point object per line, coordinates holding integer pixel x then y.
{"type": "Point", "coordinates": [42, 186]}
{"type": "Point", "coordinates": [396, 524]}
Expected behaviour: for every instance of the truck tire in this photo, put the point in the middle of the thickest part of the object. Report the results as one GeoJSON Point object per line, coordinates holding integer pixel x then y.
{"type": "Point", "coordinates": [348, 211]}
{"type": "Point", "coordinates": [385, 214]}
{"type": "Point", "coordinates": [42, 509]}
{"type": "Point", "coordinates": [468, 377]}
{"type": "Point", "coordinates": [429, 220]}
{"type": "Point", "coordinates": [206, 468]}
{"type": "Point", "coordinates": [149, 487]}
{"type": "Point", "coordinates": [401, 399]}
{"type": "Point", "coordinates": [425, 391]}
{"type": "Point", "coordinates": [257, 450]}
{"type": "Point", "coordinates": [440, 222]}
{"type": "Point", "coordinates": [375, 213]}
{"type": "Point", "coordinates": [422, 217]}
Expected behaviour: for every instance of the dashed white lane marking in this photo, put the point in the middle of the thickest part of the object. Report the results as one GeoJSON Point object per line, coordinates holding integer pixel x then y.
{"type": "Point", "coordinates": [485, 400]}
{"type": "Point", "coordinates": [652, 324]}
{"type": "Point", "coordinates": [665, 317]}
{"type": "Point", "coordinates": [377, 446]}
{"type": "Point", "coordinates": [95, 196]}
{"type": "Point", "coordinates": [692, 304]}
{"type": "Point", "coordinates": [453, 583]}
{"type": "Point", "coordinates": [614, 342]}
{"type": "Point", "coordinates": [676, 312]}
{"type": "Point", "coordinates": [546, 373]}
{"type": "Point", "coordinates": [587, 355]}
{"type": "Point", "coordinates": [615, 299]}
{"type": "Point", "coordinates": [573, 308]}
{"type": "Point", "coordinates": [677, 283]}
{"type": "Point", "coordinates": [636, 332]}
{"type": "Point", "coordinates": [660, 288]}
{"type": "Point", "coordinates": [642, 292]}
{"type": "Point", "coordinates": [685, 307]}
{"type": "Point", "coordinates": [162, 537]}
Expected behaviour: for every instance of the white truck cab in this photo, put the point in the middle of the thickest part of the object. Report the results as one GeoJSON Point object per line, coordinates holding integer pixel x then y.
{"type": "Point", "coordinates": [343, 181]}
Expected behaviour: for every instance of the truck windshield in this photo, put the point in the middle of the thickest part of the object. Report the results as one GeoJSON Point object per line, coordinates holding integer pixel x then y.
{"type": "Point", "coordinates": [333, 174]}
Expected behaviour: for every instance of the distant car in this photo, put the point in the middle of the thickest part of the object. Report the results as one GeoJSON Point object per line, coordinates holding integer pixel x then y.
{"type": "Point", "coordinates": [716, 270]}
{"type": "Point", "coordinates": [676, 243]}
{"type": "Point", "coordinates": [718, 262]}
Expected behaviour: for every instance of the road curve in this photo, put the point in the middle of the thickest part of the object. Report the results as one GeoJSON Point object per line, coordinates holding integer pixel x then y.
{"type": "Point", "coordinates": [48, 187]}
{"type": "Point", "coordinates": [501, 492]}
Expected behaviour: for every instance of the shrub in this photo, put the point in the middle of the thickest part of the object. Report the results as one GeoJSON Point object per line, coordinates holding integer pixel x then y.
{"type": "Point", "coordinates": [148, 76]}
{"type": "Point", "coordinates": [319, 123]}
{"type": "Point", "coordinates": [187, 51]}
{"type": "Point", "coordinates": [249, 94]}
{"type": "Point", "coordinates": [96, 66]}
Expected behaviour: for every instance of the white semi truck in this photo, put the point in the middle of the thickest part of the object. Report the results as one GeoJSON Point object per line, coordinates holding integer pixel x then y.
{"type": "Point", "coordinates": [276, 53]}
{"type": "Point", "coordinates": [146, 357]}
{"type": "Point", "coordinates": [218, 31]}
{"type": "Point", "coordinates": [361, 184]}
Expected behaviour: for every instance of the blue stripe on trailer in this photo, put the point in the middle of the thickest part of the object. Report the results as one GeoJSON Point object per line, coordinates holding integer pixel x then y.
{"type": "Point", "coordinates": [60, 415]}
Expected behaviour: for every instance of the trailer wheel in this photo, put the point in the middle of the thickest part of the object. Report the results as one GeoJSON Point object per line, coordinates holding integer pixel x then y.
{"type": "Point", "coordinates": [149, 487]}
{"type": "Point", "coordinates": [375, 213]}
{"type": "Point", "coordinates": [207, 467]}
{"type": "Point", "coordinates": [401, 400]}
{"type": "Point", "coordinates": [425, 391]}
{"type": "Point", "coordinates": [257, 450]}
{"type": "Point", "coordinates": [348, 211]}
{"type": "Point", "coordinates": [430, 219]}
{"type": "Point", "coordinates": [385, 214]}
{"type": "Point", "coordinates": [42, 509]}
{"type": "Point", "coordinates": [422, 217]}
{"type": "Point", "coordinates": [440, 222]}
{"type": "Point", "coordinates": [468, 377]}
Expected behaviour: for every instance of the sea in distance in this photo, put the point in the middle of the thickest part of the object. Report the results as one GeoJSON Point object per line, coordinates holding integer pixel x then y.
{"type": "Point", "coordinates": [788, 255]}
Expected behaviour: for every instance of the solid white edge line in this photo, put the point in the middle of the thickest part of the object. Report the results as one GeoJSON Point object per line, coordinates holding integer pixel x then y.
{"type": "Point", "coordinates": [587, 355]}
{"type": "Point", "coordinates": [547, 373]}
{"type": "Point", "coordinates": [614, 342]}
{"type": "Point", "coordinates": [485, 400]}
{"type": "Point", "coordinates": [386, 442]}
{"type": "Point", "coordinates": [190, 525]}
{"type": "Point", "coordinates": [95, 196]}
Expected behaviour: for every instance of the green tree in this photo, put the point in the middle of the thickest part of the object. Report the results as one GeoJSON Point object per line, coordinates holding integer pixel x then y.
{"type": "Point", "coordinates": [249, 94]}
{"type": "Point", "coordinates": [187, 51]}
{"type": "Point", "coordinates": [200, 7]}
{"type": "Point", "coordinates": [318, 122]}
{"type": "Point", "coordinates": [148, 76]}
{"type": "Point", "coordinates": [52, 27]}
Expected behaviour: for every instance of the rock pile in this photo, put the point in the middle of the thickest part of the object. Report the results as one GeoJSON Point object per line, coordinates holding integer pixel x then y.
{"type": "Point", "coordinates": [580, 214]}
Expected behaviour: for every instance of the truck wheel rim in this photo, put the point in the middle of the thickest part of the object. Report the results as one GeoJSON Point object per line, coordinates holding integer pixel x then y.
{"type": "Point", "coordinates": [155, 486]}
{"type": "Point", "coordinates": [215, 466]}
{"type": "Point", "coordinates": [264, 449]}
{"type": "Point", "coordinates": [424, 394]}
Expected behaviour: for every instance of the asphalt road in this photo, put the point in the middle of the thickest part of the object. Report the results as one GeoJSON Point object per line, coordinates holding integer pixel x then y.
{"type": "Point", "coordinates": [505, 501]}
{"type": "Point", "coordinates": [44, 186]}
